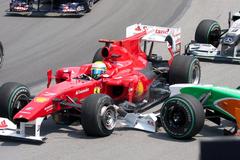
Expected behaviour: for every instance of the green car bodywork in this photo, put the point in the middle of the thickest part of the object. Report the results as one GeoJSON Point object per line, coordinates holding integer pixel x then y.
{"type": "Point", "coordinates": [216, 94]}
{"type": "Point", "coordinates": [183, 113]}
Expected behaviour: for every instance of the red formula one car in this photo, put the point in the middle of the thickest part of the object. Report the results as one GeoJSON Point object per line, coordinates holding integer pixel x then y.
{"type": "Point", "coordinates": [126, 78]}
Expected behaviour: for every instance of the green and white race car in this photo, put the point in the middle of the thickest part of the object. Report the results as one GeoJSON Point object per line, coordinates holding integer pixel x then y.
{"type": "Point", "coordinates": [184, 112]}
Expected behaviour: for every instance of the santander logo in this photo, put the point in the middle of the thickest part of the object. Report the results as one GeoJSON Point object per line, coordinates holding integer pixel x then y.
{"type": "Point", "coordinates": [141, 28]}
{"type": "Point", "coordinates": [162, 31]}
{"type": "Point", "coordinates": [3, 124]}
{"type": "Point", "coordinates": [138, 28]}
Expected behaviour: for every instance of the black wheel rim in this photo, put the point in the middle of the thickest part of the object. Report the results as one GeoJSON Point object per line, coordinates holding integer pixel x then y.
{"type": "Point", "coordinates": [176, 118]}
{"type": "Point", "coordinates": [19, 103]}
{"type": "Point", "coordinates": [214, 36]}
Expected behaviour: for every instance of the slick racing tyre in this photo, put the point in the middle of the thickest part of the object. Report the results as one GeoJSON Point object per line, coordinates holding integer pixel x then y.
{"type": "Point", "coordinates": [208, 31]}
{"type": "Point", "coordinates": [89, 5]}
{"type": "Point", "coordinates": [98, 56]}
{"type": "Point", "coordinates": [13, 97]}
{"type": "Point", "coordinates": [1, 55]}
{"type": "Point", "coordinates": [182, 116]}
{"type": "Point", "coordinates": [184, 69]}
{"type": "Point", "coordinates": [98, 117]}
{"type": "Point", "coordinates": [169, 40]}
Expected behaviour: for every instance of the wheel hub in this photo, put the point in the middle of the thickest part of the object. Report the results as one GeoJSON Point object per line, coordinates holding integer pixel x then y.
{"type": "Point", "coordinates": [195, 78]}
{"type": "Point", "coordinates": [109, 117]}
{"type": "Point", "coordinates": [176, 117]}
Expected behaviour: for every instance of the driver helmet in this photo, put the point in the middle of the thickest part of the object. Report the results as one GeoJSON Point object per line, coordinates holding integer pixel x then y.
{"type": "Point", "coordinates": [97, 69]}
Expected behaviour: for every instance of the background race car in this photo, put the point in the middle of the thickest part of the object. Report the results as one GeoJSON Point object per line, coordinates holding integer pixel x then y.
{"type": "Point", "coordinates": [50, 7]}
{"type": "Point", "coordinates": [134, 79]}
{"type": "Point", "coordinates": [213, 43]}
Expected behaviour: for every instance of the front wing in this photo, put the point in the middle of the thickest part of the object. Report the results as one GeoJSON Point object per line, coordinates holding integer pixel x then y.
{"type": "Point", "coordinates": [145, 122]}
{"type": "Point", "coordinates": [9, 130]}
{"type": "Point", "coordinates": [209, 52]}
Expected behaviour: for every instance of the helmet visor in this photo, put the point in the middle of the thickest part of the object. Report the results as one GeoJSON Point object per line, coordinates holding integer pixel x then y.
{"type": "Point", "coordinates": [96, 72]}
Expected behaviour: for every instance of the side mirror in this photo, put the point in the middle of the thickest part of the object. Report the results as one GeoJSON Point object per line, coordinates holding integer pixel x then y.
{"type": "Point", "coordinates": [229, 19]}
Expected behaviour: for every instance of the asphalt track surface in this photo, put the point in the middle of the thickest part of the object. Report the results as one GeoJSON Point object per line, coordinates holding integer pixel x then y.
{"type": "Point", "coordinates": [33, 45]}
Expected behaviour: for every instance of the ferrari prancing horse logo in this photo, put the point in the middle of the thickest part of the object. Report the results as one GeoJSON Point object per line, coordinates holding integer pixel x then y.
{"type": "Point", "coordinates": [97, 90]}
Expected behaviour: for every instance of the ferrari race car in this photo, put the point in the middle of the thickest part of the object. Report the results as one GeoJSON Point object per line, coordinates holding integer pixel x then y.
{"type": "Point", "coordinates": [21, 5]}
{"type": "Point", "coordinates": [183, 114]}
{"type": "Point", "coordinates": [1, 54]}
{"type": "Point", "coordinates": [50, 8]}
{"type": "Point", "coordinates": [213, 43]}
{"type": "Point", "coordinates": [137, 78]}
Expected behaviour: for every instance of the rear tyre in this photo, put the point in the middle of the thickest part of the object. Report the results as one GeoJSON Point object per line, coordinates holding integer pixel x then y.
{"type": "Point", "coordinates": [98, 56]}
{"type": "Point", "coordinates": [208, 31]}
{"type": "Point", "coordinates": [98, 115]}
{"type": "Point", "coordinates": [184, 69]}
{"type": "Point", "coordinates": [89, 5]}
{"type": "Point", "coordinates": [169, 40]}
{"type": "Point", "coordinates": [13, 97]}
{"type": "Point", "coordinates": [182, 116]}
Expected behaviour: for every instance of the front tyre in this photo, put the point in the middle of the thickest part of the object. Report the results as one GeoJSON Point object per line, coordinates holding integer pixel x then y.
{"type": "Point", "coordinates": [98, 115]}
{"type": "Point", "coordinates": [13, 97]}
{"type": "Point", "coordinates": [182, 116]}
{"type": "Point", "coordinates": [184, 69]}
{"type": "Point", "coordinates": [208, 31]}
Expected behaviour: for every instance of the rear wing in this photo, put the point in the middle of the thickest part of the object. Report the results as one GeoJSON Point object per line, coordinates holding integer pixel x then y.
{"type": "Point", "coordinates": [157, 34]}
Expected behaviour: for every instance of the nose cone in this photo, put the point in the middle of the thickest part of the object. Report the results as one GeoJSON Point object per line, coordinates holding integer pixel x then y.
{"type": "Point", "coordinates": [38, 107]}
